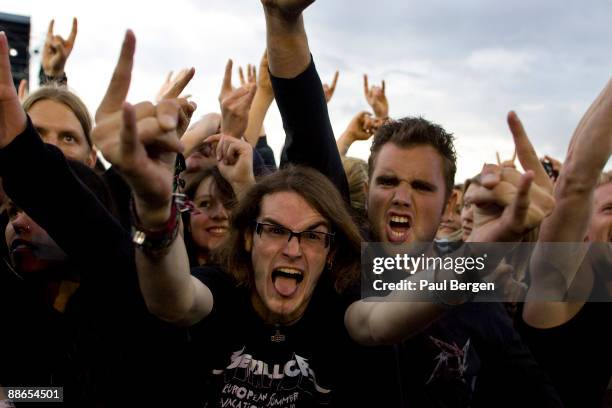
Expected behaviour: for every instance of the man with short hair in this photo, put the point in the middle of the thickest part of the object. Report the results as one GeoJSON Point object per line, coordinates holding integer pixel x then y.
{"type": "Point", "coordinates": [411, 174]}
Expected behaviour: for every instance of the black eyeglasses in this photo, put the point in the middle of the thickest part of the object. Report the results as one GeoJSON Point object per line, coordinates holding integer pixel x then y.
{"type": "Point", "coordinates": [280, 234]}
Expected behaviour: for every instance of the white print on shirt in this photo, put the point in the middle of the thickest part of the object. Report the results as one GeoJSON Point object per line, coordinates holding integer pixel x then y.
{"type": "Point", "coordinates": [452, 360]}
{"type": "Point", "coordinates": [251, 383]}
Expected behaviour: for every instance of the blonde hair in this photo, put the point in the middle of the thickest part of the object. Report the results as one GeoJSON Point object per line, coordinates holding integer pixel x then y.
{"type": "Point", "coordinates": [604, 178]}
{"type": "Point", "coordinates": [356, 171]}
{"type": "Point", "coordinates": [62, 95]}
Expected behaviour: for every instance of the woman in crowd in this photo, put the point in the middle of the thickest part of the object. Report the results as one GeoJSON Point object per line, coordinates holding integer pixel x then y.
{"type": "Point", "coordinates": [207, 223]}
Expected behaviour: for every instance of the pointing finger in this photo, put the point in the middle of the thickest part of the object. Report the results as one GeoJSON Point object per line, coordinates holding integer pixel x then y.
{"type": "Point", "coordinates": [120, 82]}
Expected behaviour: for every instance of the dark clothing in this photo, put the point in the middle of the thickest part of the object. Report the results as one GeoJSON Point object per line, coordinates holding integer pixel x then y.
{"type": "Point", "coordinates": [471, 356]}
{"type": "Point", "coordinates": [266, 153]}
{"type": "Point", "coordinates": [121, 194]}
{"type": "Point", "coordinates": [309, 137]}
{"type": "Point", "coordinates": [261, 365]}
{"type": "Point", "coordinates": [105, 349]}
{"type": "Point", "coordinates": [578, 354]}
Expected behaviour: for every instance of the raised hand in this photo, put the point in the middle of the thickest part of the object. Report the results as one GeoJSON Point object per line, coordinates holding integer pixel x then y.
{"type": "Point", "coordinates": [508, 204]}
{"type": "Point", "coordinates": [376, 98]}
{"type": "Point", "coordinates": [109, 114]}
{"type": "Point", "coordinates": [234, 160]}
{"type": "Point", "coordinates": [172, 88]}
{"type": "Point", "coordinates": [263, 80]}
{"type": "Point", "coordinates": [12, 116]}
{"type": "Point", "coordinates": [506, 163]}
{"type": "Point", "coordinates": [251, 75]}
{"type": "Point", "coordinates": [235, 104]}
{"type": "Point", "coordinates": [361, 127]}
{"type": "Point", "coordinates": [330, 89]}
{"type": "Point", "coordinates": [174, 85]}
{"type": "Point", "coordinates": [149, 170]}
{"type": "Point", "coordinates": [194, 137]}
{"type": "Point", "coordinates": [287, 7]}
{"type": "Point", "coordinates": [57, 50]}
{"type": "Point", "coordinates": [140, 140]}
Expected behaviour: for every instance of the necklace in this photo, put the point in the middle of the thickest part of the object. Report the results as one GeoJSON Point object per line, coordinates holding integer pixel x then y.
{"type": "Point", "coordinates": [277, 337]}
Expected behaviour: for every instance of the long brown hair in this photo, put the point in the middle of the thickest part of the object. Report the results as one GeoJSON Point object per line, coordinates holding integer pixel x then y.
{"type": "Point", "coordinates": [323, 196]}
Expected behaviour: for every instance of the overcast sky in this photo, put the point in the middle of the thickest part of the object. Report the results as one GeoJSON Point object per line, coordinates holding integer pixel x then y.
{"type": "Point", "coordinates": [462, 64]}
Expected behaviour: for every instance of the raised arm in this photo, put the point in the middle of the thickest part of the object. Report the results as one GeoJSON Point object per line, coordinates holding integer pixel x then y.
{"type": "Point", "coordinates": [12, 116]}
{"type": "Point", "coordinates": [361, 127]}
{"type": "Point", "coordinates": [288, 50]}
{"type": "Point", "coordinates": [589, 150]}
{"type": "Point", "coordinates": [235, 104]}
{"type": "Point", "coordinates": [56, 51]}
{"type": "Point", "coordinates": [261, 103]}
{"type": "Point", "coordinates": [145, 153]}
{"type": "Point", "coordinates": [588, 153]}
{"type": "Point", "coordinates": [377, 98]}
{"type": "Point", "coordinates": [309, 137]}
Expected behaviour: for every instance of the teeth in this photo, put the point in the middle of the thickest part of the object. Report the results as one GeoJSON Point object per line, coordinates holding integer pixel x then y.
{"type": "Point", "coordinates": [397, 234]}
{"type": "Point", "coordinates": [218, 230]}
{"type": "Point", "coordinates": [289, 271]}
{"type": "Point", "coordinates": [395, 218]}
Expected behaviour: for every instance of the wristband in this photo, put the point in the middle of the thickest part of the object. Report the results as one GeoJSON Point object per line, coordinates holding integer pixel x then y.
{"type": "Point", "coordinates": [155, 242]}
{"type": "Point", "coordinates": [48, 79]}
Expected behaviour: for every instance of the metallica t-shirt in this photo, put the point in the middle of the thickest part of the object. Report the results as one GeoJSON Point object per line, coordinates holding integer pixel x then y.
{"type": "Point", "coordinates": [253, 364]}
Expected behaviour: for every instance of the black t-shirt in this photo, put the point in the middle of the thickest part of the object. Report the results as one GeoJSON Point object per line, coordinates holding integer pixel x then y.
{"type": "Point", "coordinates": [578, 354]}
{"type": "Point", "coordinates": [254, 364]}
{"type": "Point", "coordinates": [472, 356]}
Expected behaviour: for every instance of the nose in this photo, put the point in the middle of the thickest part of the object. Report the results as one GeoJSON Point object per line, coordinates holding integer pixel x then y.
{"type": "Point", "coordinates": [402, 196]}
{"type": "Point", "coordinates": [21, 223]}
{"type": "Point", "coordinates": [292, 248]}
{"type": "Point", "coordinates": [467, 215]}
{"type": "Point", "coordinates": [219, 212]}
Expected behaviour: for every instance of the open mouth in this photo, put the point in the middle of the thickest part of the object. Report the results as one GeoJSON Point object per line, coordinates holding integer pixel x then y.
{"type": "Point", "coordinates": [20, 245]}
{"type": "Point", "coordinates": [398, 228]}
{"type": "Point", "coordinates": [286, 280]}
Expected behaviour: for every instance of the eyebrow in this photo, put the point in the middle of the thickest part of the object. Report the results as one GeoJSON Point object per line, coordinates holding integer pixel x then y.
{"type": "Point", "coordinates": [309, 228]}
{"type": "Point", "coordinates": [203, 196]}
{"type": "Point", "coordinates": [389, 175]}
{"type": "Point", "coordinates": [426, 183]}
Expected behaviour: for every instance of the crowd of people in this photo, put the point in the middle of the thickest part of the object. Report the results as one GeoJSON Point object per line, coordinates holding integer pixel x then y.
{"type": "Point", "coordinates": [196, 272]}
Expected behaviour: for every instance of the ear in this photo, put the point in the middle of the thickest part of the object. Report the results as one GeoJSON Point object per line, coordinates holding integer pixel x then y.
{"type": "Point", "coordinates": [92, 157]}
{"type": "Point", "coordinates": [248, 241]}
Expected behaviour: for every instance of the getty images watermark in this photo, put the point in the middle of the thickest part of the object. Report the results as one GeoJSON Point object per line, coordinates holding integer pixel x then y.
{"type": "Point", "coordinates": [497, 272]}
{"type": "Point", "coordinates": [412, 264]}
